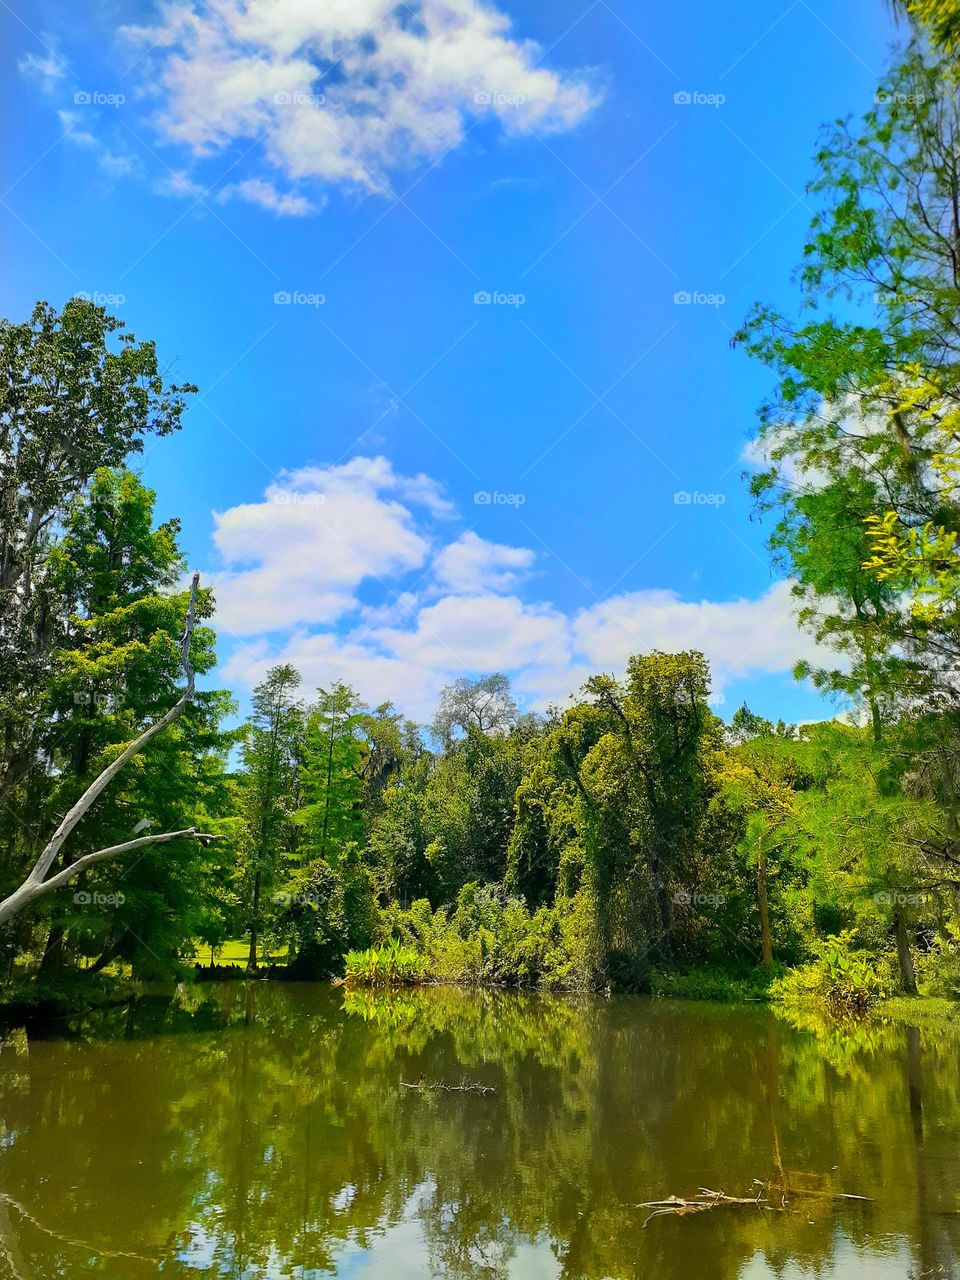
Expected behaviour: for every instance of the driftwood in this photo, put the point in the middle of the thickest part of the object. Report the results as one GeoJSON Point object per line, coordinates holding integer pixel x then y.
{"type": "Point", "coordinates": [766, 1198]}
{"type": "Point", "coordinates": [465, 1086]}
{"type": "Point", "coordinates": [37, 882]}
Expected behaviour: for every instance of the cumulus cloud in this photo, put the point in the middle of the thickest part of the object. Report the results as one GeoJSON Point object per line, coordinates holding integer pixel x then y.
{"type": "Point", "coordinates": [740, 637]}
{"type": "Point", "coordinates": [299, 554]}
{"type": "Point", "coordinates": [301, 563]}
{"type": "Point", "coordinates": [472, 564]}
{"type": "Point", "coordinates": [477, 633]}
{"type": "Point", "coordinates": [322, 658]}
{"type": "Point", "coordinates": [349, 91]}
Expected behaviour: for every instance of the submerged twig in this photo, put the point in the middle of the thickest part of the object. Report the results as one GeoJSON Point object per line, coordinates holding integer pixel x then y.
{"type": "Point", "coordinates": [707, 1199]}
{"type": "Point", "coordinates": [465, 1086]}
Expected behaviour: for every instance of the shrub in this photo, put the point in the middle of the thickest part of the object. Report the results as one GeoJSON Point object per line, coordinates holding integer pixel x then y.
{"type": "Point", "coordinates": [711, 984]}
{"type": "Point", "coordinates": [390, 965]}
{"type": "Point", "coordinates": [938, 969]}
{"type": "Point", "coordinates": [844, 981]}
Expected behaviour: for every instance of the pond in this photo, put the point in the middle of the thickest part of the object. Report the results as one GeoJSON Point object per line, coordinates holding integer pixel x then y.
{"type": "Point", "coordinates": [255, 1130]}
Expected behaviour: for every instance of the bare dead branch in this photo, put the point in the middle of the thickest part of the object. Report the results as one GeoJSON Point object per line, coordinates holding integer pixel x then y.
{"type": "Point", "coordinates": [36, 884]}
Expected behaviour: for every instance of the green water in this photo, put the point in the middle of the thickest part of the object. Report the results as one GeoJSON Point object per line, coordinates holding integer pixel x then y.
{"type": "Point", "coordinates": [262, 1130]}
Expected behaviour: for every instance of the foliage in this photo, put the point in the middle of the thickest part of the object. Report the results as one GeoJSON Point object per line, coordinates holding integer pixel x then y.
{"type": "Point", "coordinates": [845, 981]}
{"type": "Point", "coordinates": [389, 965]}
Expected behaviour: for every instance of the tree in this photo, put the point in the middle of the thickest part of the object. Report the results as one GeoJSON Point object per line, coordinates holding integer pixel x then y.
{"type": "Point", "coordinates": [270, 755]}
{"type": "Point", "coordinates": [866, 405]}
{"type": "Point", "coordinates": [485, 704]}
{"type": "Point", "coordinates": [76, 393]}
{"type": "Point", "coordinates": [39, 882]}
{"type": "Point", "coordinates": [116, 669]}
{"type": "Point", "coordinates": [755, 786]}
{"type": "Point", "coordinates": [332, 770]}
{"type": "Point", "coordinates": [940, 17]}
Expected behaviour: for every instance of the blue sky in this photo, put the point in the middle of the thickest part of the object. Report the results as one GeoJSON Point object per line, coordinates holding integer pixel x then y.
{"type": "Point", "coordinates": [388, 479]}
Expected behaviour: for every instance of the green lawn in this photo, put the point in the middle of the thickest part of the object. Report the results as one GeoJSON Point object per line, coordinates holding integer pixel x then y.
{"type": "Point", "coordinates": [236, 952]}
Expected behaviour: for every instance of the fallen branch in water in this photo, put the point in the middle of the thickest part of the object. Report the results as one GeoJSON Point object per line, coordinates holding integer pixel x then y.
{"type": "Point", "coordinates": [465, 1086]}
{"type": "Point", "coordinates": [706, 1199]}
{"type": "Point", "coordinates": [62, 1239]}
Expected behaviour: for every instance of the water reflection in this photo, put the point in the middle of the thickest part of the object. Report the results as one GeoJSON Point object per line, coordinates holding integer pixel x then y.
{"type": "Point", "coordinates": [257, 1130]}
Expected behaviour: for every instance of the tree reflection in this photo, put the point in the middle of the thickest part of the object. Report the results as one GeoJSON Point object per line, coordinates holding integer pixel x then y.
{"type": "Point", "coordinates": [257, 1130]}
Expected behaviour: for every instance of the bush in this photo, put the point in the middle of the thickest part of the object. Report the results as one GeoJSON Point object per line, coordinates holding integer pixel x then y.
{"type": "Point", "coordinates": [711, 984]}
{"type": "Point", "coordinates": [844, 981]}
{"type": "Point", "coordinates": [389, 965]}
{"type": "Point", "coordinates": [490, 938]}
{"type": "Point", "coordinates": [938, 969]}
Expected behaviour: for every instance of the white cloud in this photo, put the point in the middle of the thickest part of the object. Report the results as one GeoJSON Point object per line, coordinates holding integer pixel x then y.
{"type": "Point", "coordinates": [472, 564]}
{"type": "Point", "coordinates": [118, 165]}
{"type": "Point", "coordinates": [45, 70]}
{"type": "Point", "coordinates": [323, 658]}
{"type": "Point", "coordinates": [350, 91]}
{"type": "Point", "coordinates": [70, 122]}
{"type": "Point", "coordinates": [179, 183]}
{"type": "Point", "coordinates": [478, 633]}
{"type": "Point", "coordinates": [740, 638]}
{"type": "Point", "coordinates": [298, 555]}
{"type": "Point", "coordinates": [265, 194]}
{"type": "Point", "coordinates": [856, 426]}
{"type": "Point", "coordinates": [297, 561]}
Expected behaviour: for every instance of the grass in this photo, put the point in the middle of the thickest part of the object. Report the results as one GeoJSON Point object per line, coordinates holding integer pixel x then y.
{"type": "Point", "coordinates": [928, 1012]}
{"type": "Point", "coordinates": [711, 984]}
{"type": "Point", "coordinates": [236, 952]}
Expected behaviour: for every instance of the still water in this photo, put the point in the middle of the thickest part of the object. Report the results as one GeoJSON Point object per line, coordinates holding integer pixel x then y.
{"type": "Point", "coordinates": [263, 1130]}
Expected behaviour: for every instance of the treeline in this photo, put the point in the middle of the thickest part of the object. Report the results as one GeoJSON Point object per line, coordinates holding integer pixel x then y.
{"type": "Point", "coordinates": [631, 839]}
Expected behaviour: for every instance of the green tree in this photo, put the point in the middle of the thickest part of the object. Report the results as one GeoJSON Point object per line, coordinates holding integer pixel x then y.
{"type": "Point", "coordinates": [332, 770]}
{"type": "Point", "coordinates": [116, 671]}
{"type": "Point", "coordinates": [271, 752]}
{"type": "Point", "coordinates": [77, 393]}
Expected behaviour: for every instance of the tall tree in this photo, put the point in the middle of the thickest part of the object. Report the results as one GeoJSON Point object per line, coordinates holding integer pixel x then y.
{"type": "Point", "coordinates": [270, 756]}
{"type": "Point", "coordinates": [77, 393]}
{"type": "Point", "coordinates": [116, 669]}
{"type": "Point", "coordinates": [334, 753]}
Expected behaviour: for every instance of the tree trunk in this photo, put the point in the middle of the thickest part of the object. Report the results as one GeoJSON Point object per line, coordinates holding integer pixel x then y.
{"type": "Point", "coordinates": [254, 919]}
{"type": "Point", "coordinates": [766, 939]}
{"type": "Point", "coordinates": [55, 952]}
{"type": "Point", "coordinates": [908, 975]}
